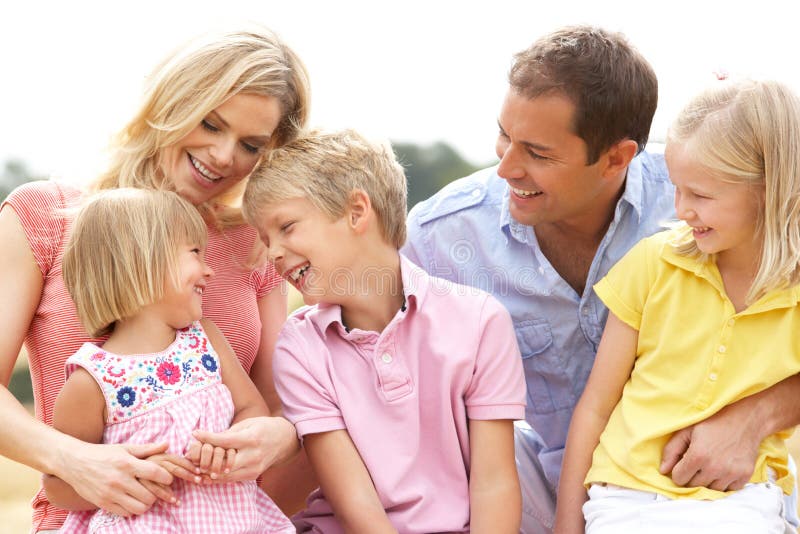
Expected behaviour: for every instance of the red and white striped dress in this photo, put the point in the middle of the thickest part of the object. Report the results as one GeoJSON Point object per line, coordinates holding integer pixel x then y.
{"type": "Point", "coordinates": [162, 398]}
{"type": "Point", "coordinates": [230, 301]}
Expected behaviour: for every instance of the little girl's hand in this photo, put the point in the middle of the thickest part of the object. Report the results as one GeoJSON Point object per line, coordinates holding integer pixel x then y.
{"type": "Point", "coordinates": [211, 461]}
{"type": "Point", "coordinates": [178, 467]}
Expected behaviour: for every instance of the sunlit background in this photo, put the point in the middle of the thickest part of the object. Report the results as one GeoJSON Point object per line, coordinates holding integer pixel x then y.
{"type": "Point", "coordinates": [416, 72]}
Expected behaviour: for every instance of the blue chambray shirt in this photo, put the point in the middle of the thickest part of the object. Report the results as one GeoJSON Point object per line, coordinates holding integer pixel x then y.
{"type": "Point", "coordinates": [466, 234]}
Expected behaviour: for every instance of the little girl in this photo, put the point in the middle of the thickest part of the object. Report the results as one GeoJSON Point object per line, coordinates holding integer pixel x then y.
{"type": "Point", "coordinates": [134, 265]}
{"type": "Point", "coordinates": [700, 316]}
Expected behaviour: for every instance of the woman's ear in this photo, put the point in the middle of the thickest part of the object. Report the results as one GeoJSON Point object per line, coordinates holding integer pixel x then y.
{"type": "Point", "coordinates": [359, 210]}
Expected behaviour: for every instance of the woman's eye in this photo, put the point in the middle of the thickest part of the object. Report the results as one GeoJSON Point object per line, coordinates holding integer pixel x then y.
{"type": "Point", "coordinates": [208, 126]}
{"type": "Point", "coordinates": [251, 148]}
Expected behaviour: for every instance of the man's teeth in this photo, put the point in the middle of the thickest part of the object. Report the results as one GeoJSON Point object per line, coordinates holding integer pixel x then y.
{"type": "Point", "coordinates": [202, 169]}
{"type": "Point", "coordinates": [198, 289]}
{"type": "Point", "coordinates": [297, 274]}
{"type": "Point", "coordinates": [524, 193]}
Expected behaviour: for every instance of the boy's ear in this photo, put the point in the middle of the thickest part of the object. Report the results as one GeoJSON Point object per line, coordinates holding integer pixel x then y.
{"type": "Point", "coordinates": [359, 210]}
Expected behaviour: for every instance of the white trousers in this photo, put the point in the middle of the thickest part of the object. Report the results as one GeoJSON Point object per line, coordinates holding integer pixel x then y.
{"type": "Point", "coordinates": [755, 509]}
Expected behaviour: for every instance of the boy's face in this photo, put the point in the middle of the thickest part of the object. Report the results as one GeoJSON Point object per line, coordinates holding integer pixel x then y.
{"type": "Point", "coordinates": [309, 249]}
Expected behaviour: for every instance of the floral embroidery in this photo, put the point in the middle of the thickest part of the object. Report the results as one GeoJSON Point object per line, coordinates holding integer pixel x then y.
{"type": "Point", "coordinates": [126, 395]}
{"type": "Point", "coordinates": [209, 362]}
{"type": "Point", "coordinates": [168, 373]}
{"type": "Point", "coordinates": [133, 385]}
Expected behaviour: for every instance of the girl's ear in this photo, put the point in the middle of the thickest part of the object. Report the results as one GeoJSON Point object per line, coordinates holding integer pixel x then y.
{"type": "Point", "coordinates": [359, 210]}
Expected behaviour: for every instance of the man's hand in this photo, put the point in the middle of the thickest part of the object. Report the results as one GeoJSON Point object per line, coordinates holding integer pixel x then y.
{"type": "Point", "coordinates": [719, 453]}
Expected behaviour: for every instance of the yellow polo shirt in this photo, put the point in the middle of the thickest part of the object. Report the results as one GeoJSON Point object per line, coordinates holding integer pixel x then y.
{"type": "Point", "coordinates": [695, 355]}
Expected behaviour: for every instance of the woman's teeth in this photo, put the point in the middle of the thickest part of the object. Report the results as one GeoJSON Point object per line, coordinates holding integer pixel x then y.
{"type": "Point", "coordinates": [202, 170]}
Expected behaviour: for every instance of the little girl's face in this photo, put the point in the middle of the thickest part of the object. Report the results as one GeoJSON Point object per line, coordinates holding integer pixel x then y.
{"type": "Point", "coordinates": [183, 305]}
{"type": "Point", "coordinates": [722, 213]}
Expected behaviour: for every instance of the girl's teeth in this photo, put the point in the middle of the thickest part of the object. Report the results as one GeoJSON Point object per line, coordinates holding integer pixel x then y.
{"type": "Point", "coordinates": [202, 169]}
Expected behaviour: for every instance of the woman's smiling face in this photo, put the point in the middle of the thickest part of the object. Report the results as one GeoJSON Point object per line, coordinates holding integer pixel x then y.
{"type": "Point", "coordinates": [222, 150]}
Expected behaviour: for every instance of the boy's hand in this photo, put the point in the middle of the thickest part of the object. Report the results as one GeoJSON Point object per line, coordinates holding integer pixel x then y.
{"type": "Point", "coordinates": [210, 460]}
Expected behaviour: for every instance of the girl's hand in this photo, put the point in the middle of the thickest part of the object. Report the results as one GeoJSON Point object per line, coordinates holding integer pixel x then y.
{"type": "Point", "coordinates": [210, 460]}
{"type": "Point", "coordinates": [259, 442]}
{"type": "Point", "coordinates": [178, 467]}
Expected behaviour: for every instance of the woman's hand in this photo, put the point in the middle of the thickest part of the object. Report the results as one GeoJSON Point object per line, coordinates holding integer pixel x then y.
{"type": "Point", "coordinates": [259, 443]}
{"type": "Point", "coordinates": [113, 477]}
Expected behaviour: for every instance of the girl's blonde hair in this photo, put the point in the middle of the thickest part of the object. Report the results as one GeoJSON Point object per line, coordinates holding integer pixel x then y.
{"type": "Point", "coordinates": [749, 132]}
{"type": "Point", "coordinates": [190, 84]}
{"type": "Point", "coordinates": [123, 251]}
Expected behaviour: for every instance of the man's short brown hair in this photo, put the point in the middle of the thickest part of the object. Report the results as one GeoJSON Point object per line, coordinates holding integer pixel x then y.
{"type": "Point", "coordinates": [614, 89]}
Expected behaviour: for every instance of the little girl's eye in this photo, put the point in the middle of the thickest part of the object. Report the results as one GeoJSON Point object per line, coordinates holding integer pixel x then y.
{"type": "Point", "coordinates": [195, 250]}
{"type": "Point", "coordinates": [286, 226]}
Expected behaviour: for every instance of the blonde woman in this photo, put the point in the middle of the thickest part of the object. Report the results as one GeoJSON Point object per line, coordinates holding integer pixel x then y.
{"type": "Point", "coordinates": [210, 112]}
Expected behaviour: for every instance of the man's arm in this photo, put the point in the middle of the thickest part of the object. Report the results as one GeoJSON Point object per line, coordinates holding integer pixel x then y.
{"type": "Point", "coordinates": [720, 453]}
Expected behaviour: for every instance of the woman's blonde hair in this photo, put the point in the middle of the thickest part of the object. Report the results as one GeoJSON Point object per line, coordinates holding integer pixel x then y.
{"type": "Point", "coordinates": [123, 251]}
{"type": "Point", "coordinates": [190, 84]}
{"type": "Point", "coordinates": [749, 132]}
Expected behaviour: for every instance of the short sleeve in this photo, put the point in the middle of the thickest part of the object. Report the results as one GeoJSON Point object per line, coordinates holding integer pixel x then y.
{"type": "Point", "coordinates": [307, 398]}
{"type": "Point", "coordinates": [625, 288]}
{"type": "Point", "coordinates": [40, 207]}
{"type": "Point", "coordinates": [267, 279]}
{"type": "Point", "coordinates": [497, 388]}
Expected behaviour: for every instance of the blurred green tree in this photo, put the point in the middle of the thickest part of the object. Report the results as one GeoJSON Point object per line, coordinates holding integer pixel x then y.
{"type": "Point", "coordinates": [15, 173]}
{"type": "Point", "coordinates": [429, 168]}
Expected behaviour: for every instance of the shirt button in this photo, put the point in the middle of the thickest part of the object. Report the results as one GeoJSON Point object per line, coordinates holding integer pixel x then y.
{"type": "Point", "coordinates": [541, 270]}
{"type": "Point", "coordinates": [585, 312]}
{"type": "Point", "coordinates": [387, 358]}
{"type": "Point", "coordinates": [476, 193]}
{"type": "Point", "coordinates": [731, 322]}
{"type": "Point", "coordinates": [722, 348]}
{"type": "Point", "coordinates": [712, 377]}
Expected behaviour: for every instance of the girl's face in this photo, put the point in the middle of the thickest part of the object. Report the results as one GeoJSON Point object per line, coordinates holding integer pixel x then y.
{"type": "Point", "coordinates": [722, 214]}
{"type": "Point", "coordinates": [223, 149]}
{"type": "Point", "coordinates": [183, 305]}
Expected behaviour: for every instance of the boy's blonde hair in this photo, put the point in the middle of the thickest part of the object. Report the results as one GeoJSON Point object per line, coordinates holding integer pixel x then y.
{"type": "Point", "coordinates": [325, 168]}
{"type": "Point", "coordinates": [123, 251]}
{"type": "Point", "coordinates": [749, 132]}
{"type": "Point", "coordinates": [190, 84]}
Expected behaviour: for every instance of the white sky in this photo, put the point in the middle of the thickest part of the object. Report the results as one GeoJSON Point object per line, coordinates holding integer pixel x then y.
{"type": "Point", "coordinates": [409, 70]}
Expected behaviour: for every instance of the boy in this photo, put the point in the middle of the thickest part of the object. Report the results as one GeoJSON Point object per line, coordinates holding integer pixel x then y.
{"type": "Point", "coordinates": [402, 386]}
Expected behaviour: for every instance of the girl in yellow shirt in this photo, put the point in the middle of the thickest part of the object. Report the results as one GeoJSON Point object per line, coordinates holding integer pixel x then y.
{"type": "Point", "coordinates": [700, 316]}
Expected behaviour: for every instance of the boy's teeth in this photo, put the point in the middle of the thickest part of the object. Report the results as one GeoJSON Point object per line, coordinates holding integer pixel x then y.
{"type": "Point", "coordinates": [524, 193]}
{"type": "Point", "coordinates": [202, 169]}
{"type": "Point", "coordinates": [298, 273]}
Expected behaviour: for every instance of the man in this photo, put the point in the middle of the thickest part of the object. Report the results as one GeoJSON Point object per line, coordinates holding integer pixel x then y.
{"type": "Point", "coordinates": [573, 192]}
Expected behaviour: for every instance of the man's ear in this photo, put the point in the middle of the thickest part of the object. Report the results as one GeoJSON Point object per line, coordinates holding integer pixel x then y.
{"type": "Point", "coordinates": [618, 157]}
{"type": "Point", "coordinates": [359, 210]}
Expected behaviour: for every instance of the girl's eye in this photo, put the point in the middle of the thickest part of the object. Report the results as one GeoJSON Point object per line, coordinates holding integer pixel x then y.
{"type": "Point", "coordinates": [195, 250]}
{"type": "Point", "coordinates": [286, 227]}
{"type": "Point", "coordinates": [208, 126]}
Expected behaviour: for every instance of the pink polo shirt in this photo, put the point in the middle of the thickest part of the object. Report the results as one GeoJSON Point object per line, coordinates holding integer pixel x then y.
{"type": "Point", "coordinates": [404, 395]}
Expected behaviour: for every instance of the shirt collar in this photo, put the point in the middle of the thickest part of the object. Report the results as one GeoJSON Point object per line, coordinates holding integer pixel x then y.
{"type": "Point", "coordinates": [415, 286]}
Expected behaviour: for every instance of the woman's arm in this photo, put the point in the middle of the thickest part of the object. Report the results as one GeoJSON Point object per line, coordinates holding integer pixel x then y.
{"type": "Point", "coordinates": [102, 475]}
{"type": "Point", "coordinates": [494, 493]}
{"type": "Point", "coordinates": [616, 356]}
{"type": "Point", "coordinates": [346, 483]}
{"type": "Point", "coordinates": [288, 482]}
